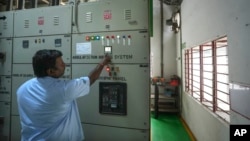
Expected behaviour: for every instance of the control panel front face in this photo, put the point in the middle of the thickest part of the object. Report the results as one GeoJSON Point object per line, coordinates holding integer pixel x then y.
{"type": "Point", "coordinates": [5, 56]}
{"type": "Point", "coordinates": [106, 100]}
{"type": "Point", "coordinates": [112, 15]}
{"type": "Point", "coordinates": [5, 88]}
{"type": "Point", "coordinates": [4, 121]}
{"type": "Point", "coordinates": [6, 24]}
{"type": "Point", "coordinates": [43, 21]}
{"type": "Point", "coordinates": [124, 47]}
{"type": "Point", "coordinates": [30, 45]}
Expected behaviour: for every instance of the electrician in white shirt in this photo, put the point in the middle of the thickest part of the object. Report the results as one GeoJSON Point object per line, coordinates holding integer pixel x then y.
{"type": "Point", "coordinates": [47, 105]}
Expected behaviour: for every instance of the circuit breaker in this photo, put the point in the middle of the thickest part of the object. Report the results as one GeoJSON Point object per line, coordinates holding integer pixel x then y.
{"type": "Point", "coordinates": [113, 98]}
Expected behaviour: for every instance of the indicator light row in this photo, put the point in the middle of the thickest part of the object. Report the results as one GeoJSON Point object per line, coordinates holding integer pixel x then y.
{"type": "Point", "coordinates": [88, 38]}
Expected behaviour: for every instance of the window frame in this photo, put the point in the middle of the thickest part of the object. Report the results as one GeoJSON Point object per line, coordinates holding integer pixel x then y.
{"type": "Point", "coordinates": [204, 62]}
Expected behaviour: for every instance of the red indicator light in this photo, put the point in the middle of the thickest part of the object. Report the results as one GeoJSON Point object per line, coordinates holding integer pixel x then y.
{"type": "Point", "coordinates": [108, 69]}
{"type": "Point", "coordinates": [87, 38]}
{"type": "Point", "coordinates": [107, 37]}
{"type": "Point", "coordinates": [113, 36]}
{"type": "Point", "coordinates": [129, 36]}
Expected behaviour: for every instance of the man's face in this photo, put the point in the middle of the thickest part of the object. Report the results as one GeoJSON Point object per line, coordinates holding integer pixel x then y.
{"type": "Point", "coordinates": [58, 71]}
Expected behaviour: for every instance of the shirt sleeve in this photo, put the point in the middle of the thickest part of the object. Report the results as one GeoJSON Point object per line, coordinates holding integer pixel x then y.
{"type": "Point", "coordinates": [76, 88]}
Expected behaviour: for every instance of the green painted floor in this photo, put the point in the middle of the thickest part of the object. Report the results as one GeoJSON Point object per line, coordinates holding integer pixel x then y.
{"type": "Point", "coordinates": [168, 127]}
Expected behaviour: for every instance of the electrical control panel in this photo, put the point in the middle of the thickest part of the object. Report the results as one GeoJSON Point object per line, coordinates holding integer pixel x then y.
{"type": "Point", "coordinates": [43, 21]}
{"type": "Point", "coordinates": [5, 56]}
{"type": "Point", "coordinates": [110, 15]}
{"type": "Point", "coordinates": [6, 34]}
{"type": "Point", "coordinates": [113, 98]}
{"type": "Point", "coordinates": [118, 101]}
{"type": "Point", "coordinates": [135, 77]}
{"type": "Point", "coordinates": [5, 88]}
{"type": "Point", "coordinates": [6, 24]}
{"type": "Point", "coordinates": [30, 45]}
{"type": "Point", "coordinates": [4, 121]}
{"type": "Point", "coordinates": [124, 47]}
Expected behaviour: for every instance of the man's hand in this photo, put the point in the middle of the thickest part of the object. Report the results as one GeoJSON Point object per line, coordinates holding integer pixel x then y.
{"type": "Point", "coordinates": [106, 60]}
{"type": "Point", "coordinates": [95, 73]}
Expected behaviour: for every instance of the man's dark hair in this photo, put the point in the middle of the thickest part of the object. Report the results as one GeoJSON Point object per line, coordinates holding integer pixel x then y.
{"type": "Point", "coordinates": [43, 60]}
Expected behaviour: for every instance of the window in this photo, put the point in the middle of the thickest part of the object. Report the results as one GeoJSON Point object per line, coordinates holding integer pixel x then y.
{"type": "Point", "coordinates": [206, 76]}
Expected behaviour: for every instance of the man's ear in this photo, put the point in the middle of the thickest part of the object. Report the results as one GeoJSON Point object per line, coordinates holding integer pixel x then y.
{"type": "Point", "coordinates": [50, 72]}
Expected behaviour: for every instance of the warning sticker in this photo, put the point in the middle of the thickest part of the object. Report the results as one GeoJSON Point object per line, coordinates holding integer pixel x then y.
{"type": "Point", "coordinates": [40, 21]}
{"type": "Point", "coordinates": [107, 15]}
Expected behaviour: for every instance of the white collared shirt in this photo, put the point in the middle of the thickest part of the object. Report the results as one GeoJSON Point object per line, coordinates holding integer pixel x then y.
{"type": "Point", "coordinates": [48, 109]}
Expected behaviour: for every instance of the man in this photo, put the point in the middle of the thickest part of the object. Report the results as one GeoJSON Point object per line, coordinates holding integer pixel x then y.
{"type": "Point", "coordinates": [47, 105]}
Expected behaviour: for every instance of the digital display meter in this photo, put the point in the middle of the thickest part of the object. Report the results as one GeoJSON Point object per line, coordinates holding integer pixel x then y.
{"type": "Point", "coordinates": [108, 50]}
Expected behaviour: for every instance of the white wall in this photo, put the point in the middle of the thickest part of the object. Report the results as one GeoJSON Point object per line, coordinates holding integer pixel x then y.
{"type": "Point", "coordinates": [207, 20]}
{"type": "Point", "coordinates": [169, 42]}
{"type": "Point", "coordinates": [204, 125]}
{"type": "Point", "coordinates": [204, 21]}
